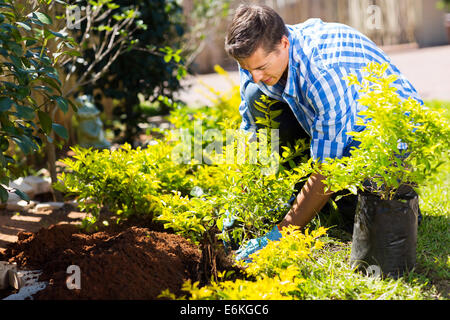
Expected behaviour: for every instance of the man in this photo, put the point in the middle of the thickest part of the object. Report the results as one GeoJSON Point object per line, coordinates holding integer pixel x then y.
{"type": "Point", "coordinates": [303, 66]}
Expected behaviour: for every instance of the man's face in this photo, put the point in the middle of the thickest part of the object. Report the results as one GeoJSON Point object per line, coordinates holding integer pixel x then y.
{"type": "Point", "coordinates": [268, 68]}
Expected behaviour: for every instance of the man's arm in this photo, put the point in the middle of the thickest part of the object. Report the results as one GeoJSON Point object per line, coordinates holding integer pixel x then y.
{"type": "Point", "coordinates": [309, 202]}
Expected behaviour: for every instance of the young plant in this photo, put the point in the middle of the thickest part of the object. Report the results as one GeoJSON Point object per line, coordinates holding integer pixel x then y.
{"type": "Point", "coordinates": [126, 181]}
{"type": "Point", "coordinates": [403, 142]}
{"type": "Point", "coordinates": [274, 274]}
{"type": "Point", "coordinates": [259, 187]}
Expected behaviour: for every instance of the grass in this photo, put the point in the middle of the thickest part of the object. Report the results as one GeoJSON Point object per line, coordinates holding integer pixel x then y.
{"type": "Point", "coordinates": [433, 246]}
{"type": "Point", "coordinates": [331, 277]}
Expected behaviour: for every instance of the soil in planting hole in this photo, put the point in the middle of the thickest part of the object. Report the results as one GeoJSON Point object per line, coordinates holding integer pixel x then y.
{"type": "Point", "coordinates": [133, 263]}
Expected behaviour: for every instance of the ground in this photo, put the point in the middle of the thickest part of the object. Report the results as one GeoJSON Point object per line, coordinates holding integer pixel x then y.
{"type": "Point", "coordinates": [141, 263]}
{"type": "Point", "coordinates": [13, 222]}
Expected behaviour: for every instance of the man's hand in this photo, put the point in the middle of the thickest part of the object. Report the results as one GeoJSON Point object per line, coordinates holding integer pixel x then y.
{"type": "Point", "coordinates": [257, 244]}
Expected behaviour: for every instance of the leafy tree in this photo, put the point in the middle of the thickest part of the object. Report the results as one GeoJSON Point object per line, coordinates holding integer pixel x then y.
{"type": "Point", "coordinates": [29, 84]}
{"type": "Point", "coordinates": [151, 64]}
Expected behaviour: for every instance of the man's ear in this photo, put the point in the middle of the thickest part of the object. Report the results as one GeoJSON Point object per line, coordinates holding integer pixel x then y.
{"type": "Point", "coordinates": [284, 42]}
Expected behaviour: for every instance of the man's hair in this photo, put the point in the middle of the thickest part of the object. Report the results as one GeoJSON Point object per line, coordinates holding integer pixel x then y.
{"type": "Point", "coordinates": [254, 26]}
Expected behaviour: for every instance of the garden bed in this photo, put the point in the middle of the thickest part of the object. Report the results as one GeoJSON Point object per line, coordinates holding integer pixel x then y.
{"type": "Point", "coordinates": [125, 262]}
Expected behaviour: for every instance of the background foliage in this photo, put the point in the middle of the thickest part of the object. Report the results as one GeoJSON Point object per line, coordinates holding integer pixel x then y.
{"type": "Point", "coordinates": [29, 84]}
{"type": "Point", "coordinates": [151, 65]}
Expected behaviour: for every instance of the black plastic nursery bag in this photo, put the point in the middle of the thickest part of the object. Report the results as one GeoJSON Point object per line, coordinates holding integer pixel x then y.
{"type": "Point", "coordinates": [385, 233]}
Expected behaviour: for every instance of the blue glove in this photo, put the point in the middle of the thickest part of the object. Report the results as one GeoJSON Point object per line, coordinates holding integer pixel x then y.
{"type": "Point", "coordinates": [257, 244]}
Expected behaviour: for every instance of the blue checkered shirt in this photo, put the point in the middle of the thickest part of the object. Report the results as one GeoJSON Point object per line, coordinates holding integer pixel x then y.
{"type": "Point", "coordinates": [320, 55]}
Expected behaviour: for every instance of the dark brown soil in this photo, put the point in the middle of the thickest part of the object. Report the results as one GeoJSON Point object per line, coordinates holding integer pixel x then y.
{"type": "Point", "coordinates": [133, 263]}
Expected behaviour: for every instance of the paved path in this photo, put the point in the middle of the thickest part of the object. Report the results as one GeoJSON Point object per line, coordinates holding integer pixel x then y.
{"type": "Point", "coordinates": [428, 69]}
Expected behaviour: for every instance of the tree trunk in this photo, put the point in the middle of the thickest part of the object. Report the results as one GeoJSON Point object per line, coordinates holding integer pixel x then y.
{"type": "Point", "coordinates": [51, 163]}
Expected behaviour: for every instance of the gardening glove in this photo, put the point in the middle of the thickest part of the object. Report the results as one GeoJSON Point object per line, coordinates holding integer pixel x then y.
{"type": "Point", "coordinates": [257, 244]}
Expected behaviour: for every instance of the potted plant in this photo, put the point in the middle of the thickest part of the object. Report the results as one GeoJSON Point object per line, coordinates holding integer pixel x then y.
{"type": "Point", "coordinates": [445, 6]}
{"type": "Point", "coordinates": [402, 145]}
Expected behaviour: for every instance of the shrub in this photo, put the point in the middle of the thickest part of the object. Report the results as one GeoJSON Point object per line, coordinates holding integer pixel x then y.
{"type": "Point", "coordinates": [391, 124]}
{"type": "Point", "coordinates": [29, 84]}
{"type": "Point", "coordinates": [191, 197]}
{"type": "Point", "coordinates": [125, 181]}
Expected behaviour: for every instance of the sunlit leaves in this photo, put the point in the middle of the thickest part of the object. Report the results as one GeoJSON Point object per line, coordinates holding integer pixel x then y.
{"type": "Point", "coordinates": [390, 122]}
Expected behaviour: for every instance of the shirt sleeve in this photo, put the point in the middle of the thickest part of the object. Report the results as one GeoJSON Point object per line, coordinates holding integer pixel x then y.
{"type": "Point", "coordinates": [336, 108]}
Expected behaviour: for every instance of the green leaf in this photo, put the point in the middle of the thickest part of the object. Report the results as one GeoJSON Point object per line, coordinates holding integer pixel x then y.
{"type": "Point", "coordinates": [15, 48]}
{"type": "Point", "coordinates": [23, 92]}
{"type": "Point", "coordinates": [5, 104]}
{"type": "Point", "coordinates": [3, 194]}
{"type": "Point", "coordinates": [353, 189]}
{"type": "Point", "coordinates": [60, 131]}
{"type": "Point", "coordinates": [22, 195]}
{"type": "Point", "coordinates": [167, 58]}
{"type": "Point", "coordinates": [57, 34]}
{"type": "Point", "coordinates": [72, 53]}
{"type": "Point", "coordinates": [25, 112]}
{"type": "Point", "coordinates": [30, 42]}
{"type": "Point", "coordinates": [52, 83]}
{"type": "Point", "coordinates": [44, 88]}
{"type": "Point", "coordinates": [73, 105]}
{"type": "Point", "coordinates": [43, 18]}
{"type": "Point", "coordinates": [24, 25]}
{"type": "Point", "coordinates": [54, 76]}
{"type": "Point", "coordinates": [62, 103]}
{"type": "Point", "coordinates": [46, 121]}
{"type": "Point", "coordinates": [23, 145]}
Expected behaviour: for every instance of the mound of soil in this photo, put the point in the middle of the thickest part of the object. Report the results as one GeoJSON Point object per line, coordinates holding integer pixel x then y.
{"type": "Point", "coordinates": [133, 263]}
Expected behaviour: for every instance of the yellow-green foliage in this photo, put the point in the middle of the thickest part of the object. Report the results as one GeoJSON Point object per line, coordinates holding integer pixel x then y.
{"type": "Point", "coordinates": [293, 248]}
{"type": "Point", "coordinates": [388, 120]}
{"type": "Point", "coordinates": [119, 180]}
{"type": "Point", "coordinates": [275, 270]}
{"type": "Point", "coordinates": [189, 197]}
{"type": "Point", "coordinates": [187, 216]}
{"type": "Point", "coordinates": [301, 266]}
